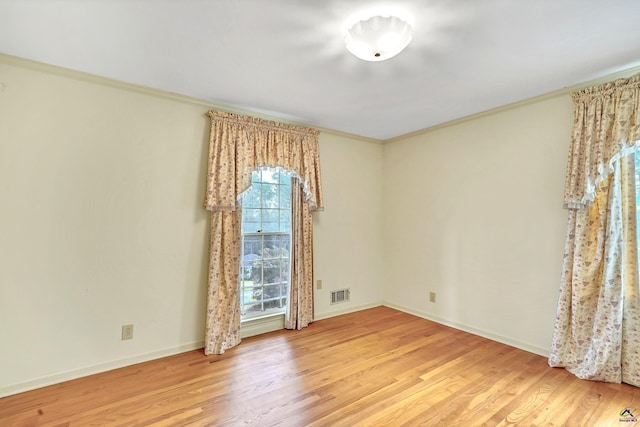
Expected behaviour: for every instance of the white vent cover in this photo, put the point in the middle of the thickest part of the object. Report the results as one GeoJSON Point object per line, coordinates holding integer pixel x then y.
{"type": "Point", "coordinates": [340, 295]}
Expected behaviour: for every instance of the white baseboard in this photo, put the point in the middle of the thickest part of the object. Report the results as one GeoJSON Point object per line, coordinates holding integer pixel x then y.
{"type": "Point", "coordinates": [251, 328]}
{"type": "Point", "coordinates": [346, 310]}
{"type": "Point", "coordinates": [95, 369]}
{"type": "Point", "coordinates": [263, 325]}
{"type": "Point", "coordinates": [481, 333]}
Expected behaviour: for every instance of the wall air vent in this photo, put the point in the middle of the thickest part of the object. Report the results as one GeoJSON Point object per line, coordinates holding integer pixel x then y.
{"type": "Point", "coordinates": [340, 295]}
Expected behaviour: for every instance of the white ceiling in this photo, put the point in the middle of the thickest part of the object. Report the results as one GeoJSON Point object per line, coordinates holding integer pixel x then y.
{"type": "Point", "coordinates": [287, 57]}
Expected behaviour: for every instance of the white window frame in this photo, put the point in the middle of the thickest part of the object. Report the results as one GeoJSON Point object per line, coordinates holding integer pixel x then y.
{"type": "Point", "coordinates": [282, 297]}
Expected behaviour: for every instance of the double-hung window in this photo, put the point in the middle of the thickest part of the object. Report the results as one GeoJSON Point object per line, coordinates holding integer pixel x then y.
{"type": "Point", "coordinates": [266, 243]}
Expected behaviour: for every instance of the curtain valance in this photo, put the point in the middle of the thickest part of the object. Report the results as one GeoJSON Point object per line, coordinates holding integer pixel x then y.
{"type": "Point", "coordinates": [606, 127]}
{"type": "Point", "coordinates": [239, 144]}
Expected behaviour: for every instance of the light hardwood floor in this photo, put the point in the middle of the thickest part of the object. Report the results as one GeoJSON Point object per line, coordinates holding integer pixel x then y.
{"type": "Point", "coordinates": [378, 367]}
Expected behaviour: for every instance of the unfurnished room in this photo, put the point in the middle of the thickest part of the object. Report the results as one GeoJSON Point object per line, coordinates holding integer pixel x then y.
{"type": "Point", "coordinates": [320, 213]}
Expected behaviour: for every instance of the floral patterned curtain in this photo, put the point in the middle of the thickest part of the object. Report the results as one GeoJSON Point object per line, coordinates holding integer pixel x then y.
{"type": "Point", "coordinates": [238, 145]}
{"type": "Point", "coordinates": [597, 328]}
{"type": "Point", "coordinates": [300, 302]}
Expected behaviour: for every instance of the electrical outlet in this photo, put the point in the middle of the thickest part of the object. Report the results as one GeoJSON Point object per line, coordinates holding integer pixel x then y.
{"type": "Point", "coordinates": [127, 332]}
{"type": "Point", "coordinates": [318, 284]}
{"type": "Point", "coordinates": [432, 297]}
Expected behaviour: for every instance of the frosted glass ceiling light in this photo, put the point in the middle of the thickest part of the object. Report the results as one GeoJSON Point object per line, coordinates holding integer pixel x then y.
{"type": "Point", "coordinates": [378, 38]}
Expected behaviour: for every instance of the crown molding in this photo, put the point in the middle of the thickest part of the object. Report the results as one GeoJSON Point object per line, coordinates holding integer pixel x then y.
{"type": "Point", "coordinates": [105, 81]}
{"type": "Point", "coordinates": [625, 73]}
{"type": "Point", "coordinates": [144, 90]}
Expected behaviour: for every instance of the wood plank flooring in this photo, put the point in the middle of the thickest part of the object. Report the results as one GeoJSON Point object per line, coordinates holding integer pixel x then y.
{"type": "Point", "coordinates": [378, 367]}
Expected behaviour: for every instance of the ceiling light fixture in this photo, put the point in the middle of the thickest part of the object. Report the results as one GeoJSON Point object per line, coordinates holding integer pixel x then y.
{"type": "Point", "coordinates": [378, 38]}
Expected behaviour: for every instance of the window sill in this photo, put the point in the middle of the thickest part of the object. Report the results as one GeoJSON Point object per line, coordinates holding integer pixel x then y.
{"type": "Point", "coordinates": [261, 324]}
{"type": "Point", "coordinates": [261, 317]}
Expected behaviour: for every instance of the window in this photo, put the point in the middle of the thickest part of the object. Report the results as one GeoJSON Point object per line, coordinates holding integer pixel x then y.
{"type": "Point", "coordinates": [266, 242]}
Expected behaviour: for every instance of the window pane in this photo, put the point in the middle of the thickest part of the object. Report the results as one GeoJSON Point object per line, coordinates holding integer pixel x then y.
{"type": "Point", "coordinates": [272, 292]}
{"type": "Point", "coordinates": [270, 227]}
{"type": "Point", "coordinates": [270, 220]}
{"type": "Point", "coordinates": [285, 220]}
{"type": "Point", "coordinates": [272, 305]}
{"type": "Point", "coordinates": [257, 270]}
{"type": "Point", "coordinates": [251, 227]}
{"type": "Point", "coordinates": [286, 244]}
{"type": "Point", "coordinates": [264, 266]}
{"type": "Point", "coordinates": [252, 246]}
{"type": "Point", "coordinates": [270, 197]}
{"type": "Point", "coordinates": [251, 199]}
{"type": "Point", "coordinates": [273, 245]}
{"type": "Point", "coordinates": [285, 196]}
{"type": "Point", "coordinates": [246, 296]}
{"type": "Point", "coordinates": [250, 220]}
{"type": "Point", "coordinates": [270, 175]}
{"type": "Point", "coordinates": [284, 274]}
{"type": "Point", "coordinates": [272, 273]}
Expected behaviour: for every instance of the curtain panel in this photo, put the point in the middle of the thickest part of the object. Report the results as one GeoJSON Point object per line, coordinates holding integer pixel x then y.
{"type": "Point", "coordinates": [238, 145]}
{"type": "Point", "coordinates": [300, 302]}
{"type": "Point", "coordinates": [597, 328]}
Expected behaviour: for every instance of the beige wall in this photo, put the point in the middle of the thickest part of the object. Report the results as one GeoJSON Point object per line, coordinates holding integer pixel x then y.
{"type": "Point", "coordinates": [347, 237]}
{"type": "Point", "coordinates": [101, 224]}
{"type": "Point", "coordinates": [473, 212]}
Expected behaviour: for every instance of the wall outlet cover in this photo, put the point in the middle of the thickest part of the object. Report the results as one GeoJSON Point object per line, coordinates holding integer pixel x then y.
{"type": "Point", "coordinates": [127, 332]}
